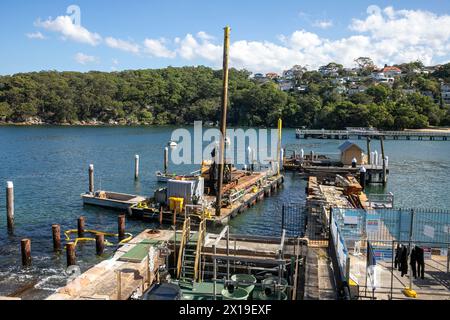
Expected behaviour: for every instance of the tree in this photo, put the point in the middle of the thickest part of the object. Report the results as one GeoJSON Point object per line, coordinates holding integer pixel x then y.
{"type": "Point", "coordinates": [366, 65]}
{"type": "Point", "coordinates": [183, 95]}
{"type": "Point", "coordinates": [379, 93]}
{"type": "Point", "coordinates": [411, 66]}
{"type": "Point", "coordinates": [298, 71]}
{"type": "Point", "coordinates": [443, 73]}
{"type": "Point", "coordinates": [5, 111]}
{"type": "Point", "coordinates": [24, 111]}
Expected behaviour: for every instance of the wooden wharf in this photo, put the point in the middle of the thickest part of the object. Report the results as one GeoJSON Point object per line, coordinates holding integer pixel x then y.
{"type": "Point", "coordinates": [363, 134]}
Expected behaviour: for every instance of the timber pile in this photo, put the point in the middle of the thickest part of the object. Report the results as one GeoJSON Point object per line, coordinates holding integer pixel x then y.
{"type": "Point", "coordinates": [312, 185]}
{"type": "Point", "coordinates": [350, 184]}
{"type": "Point", "coordinates": [334, 197]}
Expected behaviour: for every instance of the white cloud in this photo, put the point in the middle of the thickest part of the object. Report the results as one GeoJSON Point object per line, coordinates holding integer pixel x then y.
{"type": "Point", "coordinates": [204, 36]}
{"type": "Point", "coordinates": [302, 39]}
{"type": "Point", "coordinates": [403, 34]}
{"type": "Point", "coordinates": [158, 49]}
{"type": "Point", "coordinates": [122, 45]}
{"type": "Point", "coordinates": [387, 36]}
{"type": "Point", "coordinates": [65, 26]}
{"type": "Point", "coordinates": [82, 58]}
{"type": "Point", "coordinates": [190, 48]}
{"type": "Point", "coordinates": [323, 24]}
{"type": "Point", "coordinates": [115, 62]}
{"type": "Point", "coordinates": [262, 56]}
{"type": "Point", "coordinates": [36, 35]}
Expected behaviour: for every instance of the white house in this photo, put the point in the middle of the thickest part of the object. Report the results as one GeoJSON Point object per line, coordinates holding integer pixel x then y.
{"type": "Point", "coordinates": [286, 85]}
{"type": "Point", "coordinates": [338, 81]}
{"type": "Point", "coordinates": [288, 74]}
{"type": "Point", "coordinates": [331, 71]}
{"type": "Point", "coordinates": [356, 89]}
{"type": "Point", "coordinates": [387, 80]}
{"type": "Point", "coordinates": [445, 92]}
{"type": "Point", "coordinates": [302, 88]}
{"type": "Point", "coordinates": [378, 75]}
{"type": "Point", "coordinates": [391, 72]}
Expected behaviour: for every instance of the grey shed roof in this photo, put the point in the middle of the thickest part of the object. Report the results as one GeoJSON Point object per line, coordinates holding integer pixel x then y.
{"type": "Point", "coordinates": [347, 144]}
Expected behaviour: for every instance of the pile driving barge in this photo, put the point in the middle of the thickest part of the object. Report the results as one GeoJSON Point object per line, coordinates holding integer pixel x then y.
{"type": "Point", "coordinates": [195, 195]}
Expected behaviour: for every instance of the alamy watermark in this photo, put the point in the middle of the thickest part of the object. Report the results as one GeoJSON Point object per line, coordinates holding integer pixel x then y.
{"type": "Point", "coordinates": [241, 146]}
{"type": "Point", "coordinates": [74, 13]}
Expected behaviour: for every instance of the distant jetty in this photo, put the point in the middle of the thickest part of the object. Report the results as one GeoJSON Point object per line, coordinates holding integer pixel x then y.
{"type": "Point", "coordinates": [442, 135]}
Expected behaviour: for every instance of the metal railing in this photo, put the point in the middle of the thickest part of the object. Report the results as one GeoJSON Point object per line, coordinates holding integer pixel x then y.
{"type": "Point", "coordinates": [184, 240]}
{"type": "Point", "coordinates": [225, 231]}
{"type": "Point", "coordinates": [200, 242]}
{"type": "Point", "coordinates": [389, 224]}
{"type": "Point", "coordinates": [377, 200]}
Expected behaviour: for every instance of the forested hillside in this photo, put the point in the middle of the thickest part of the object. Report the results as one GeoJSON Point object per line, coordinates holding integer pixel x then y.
{"type": "Point", "coordinates": [183, 95]}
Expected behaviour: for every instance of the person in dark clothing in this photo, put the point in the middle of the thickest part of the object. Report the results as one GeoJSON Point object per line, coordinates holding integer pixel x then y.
{"type": "Point", "coordinates": [413, 261]}
{"type": "Point", "coordinates": [397, 257]}
{"type": "Point", "coordinates": [420, 259]}
{"type": "Point", "coordinates": [417, 262]}
{"type": "Point", "coordinates": [404, 260]}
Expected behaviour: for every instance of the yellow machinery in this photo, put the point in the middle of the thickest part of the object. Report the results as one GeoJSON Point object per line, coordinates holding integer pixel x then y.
{"type": "Point", "coordinates": [176, 204]}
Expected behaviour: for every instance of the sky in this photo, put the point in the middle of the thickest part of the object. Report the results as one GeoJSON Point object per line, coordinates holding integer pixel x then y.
{"type": "Point", "coordinates": [266, 35]}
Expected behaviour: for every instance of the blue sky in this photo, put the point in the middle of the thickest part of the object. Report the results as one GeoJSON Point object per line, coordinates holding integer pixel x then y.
{"type": "Point", "coordinates": [266, 35]}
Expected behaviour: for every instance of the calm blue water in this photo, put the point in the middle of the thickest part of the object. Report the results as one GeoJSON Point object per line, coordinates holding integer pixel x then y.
{"type": "Point", "coordinates": [48, 166]}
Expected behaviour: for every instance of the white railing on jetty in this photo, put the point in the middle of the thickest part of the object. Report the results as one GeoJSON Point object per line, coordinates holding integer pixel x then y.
{"type": "Point", "coordinates": [381, 200]}
{"type": "Point", "coordinates": [372, 133]}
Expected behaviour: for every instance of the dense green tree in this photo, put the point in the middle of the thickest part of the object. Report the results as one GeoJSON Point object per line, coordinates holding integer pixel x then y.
{"type": "Point", "coordinates": [379, 93]}
{"type": "Point", "coordinates": [184, 95]}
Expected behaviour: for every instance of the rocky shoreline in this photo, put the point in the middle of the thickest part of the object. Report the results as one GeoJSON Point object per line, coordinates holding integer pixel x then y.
{"type": "Point", "coordinates": [90, 123]}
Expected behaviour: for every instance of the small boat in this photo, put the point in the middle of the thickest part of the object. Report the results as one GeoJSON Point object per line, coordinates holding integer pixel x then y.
{"type": "Point", "coordinates": [172, 144]}
{"type": "Point", "coordinates": [113, 200]}
{"type": "Point", "coordinates": [164, 177]}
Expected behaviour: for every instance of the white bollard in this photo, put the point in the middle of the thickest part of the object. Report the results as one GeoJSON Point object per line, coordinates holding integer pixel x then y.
{"type": "Point", "coordinates": [91, 179]}
{"type": "Point", "coordinates": [136, 167]}
{"type": "Point", "coordinates": [10, 205]}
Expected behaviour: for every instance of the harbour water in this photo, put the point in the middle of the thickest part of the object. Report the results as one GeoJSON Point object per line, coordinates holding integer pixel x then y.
{"type": "Point", "coordinates": [48, 166]}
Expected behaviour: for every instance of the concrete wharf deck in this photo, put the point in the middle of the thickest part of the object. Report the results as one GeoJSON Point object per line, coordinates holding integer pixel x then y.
{"type": "Point", "coordinates": [434, 286]}
{"type": "Point", "coordinates": [100, 282]}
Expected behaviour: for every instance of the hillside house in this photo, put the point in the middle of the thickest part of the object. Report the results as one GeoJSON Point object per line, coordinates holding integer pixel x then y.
{"type": "Point", "coordinates": [391, 72]}
{"type": "Point", "coordinates": [329, 71]}
{"type": "Point", "coordinates": [286, 85]}
{"type": "Point", "coordinates": [356, 89]}
{"type": "Point", "coordinates": [272, 76]}
{"type": "Point", "coordinates": [445, 92]}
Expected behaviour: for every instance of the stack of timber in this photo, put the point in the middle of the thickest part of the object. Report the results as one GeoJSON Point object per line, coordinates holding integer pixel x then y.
{"type": "Point", "coordinates": [344, 192]}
